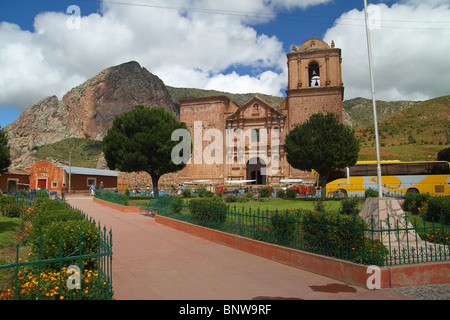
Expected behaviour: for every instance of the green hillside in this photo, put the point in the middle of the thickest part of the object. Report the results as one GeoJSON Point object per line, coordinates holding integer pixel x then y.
{"type": "Point", "coordinates": [361, 110]}
{"type": "Point", "coordinates": [417, 132]}
{"type": "Point", "coordinates": [85, 152]}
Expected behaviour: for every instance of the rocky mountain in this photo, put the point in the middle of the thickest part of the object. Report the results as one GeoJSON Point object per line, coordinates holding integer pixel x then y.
{"type": "Point", "coordinates": [92, 107]}
{"type": "Point", "coordinates": [86, 111]}
{"type": "Point", "coordinates": [43, 123]}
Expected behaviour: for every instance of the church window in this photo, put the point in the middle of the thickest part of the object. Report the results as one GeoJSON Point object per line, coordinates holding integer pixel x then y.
{"type": "Point", "coordinates": [255, 135]}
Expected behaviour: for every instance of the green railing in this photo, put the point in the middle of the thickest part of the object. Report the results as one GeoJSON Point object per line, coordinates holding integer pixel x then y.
{"type": "Point", "coordinates": [78, 267]}
{"type": "Point", "coordinates": [113, 197]}
{"type": "Point", "coordinates": [346, 237]}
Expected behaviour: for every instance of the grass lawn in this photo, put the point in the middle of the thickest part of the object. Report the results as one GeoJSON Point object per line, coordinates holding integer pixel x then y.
{"type": "Point", "coordinates": [271, 204]}
{"type": "Point", "coordinates": [284, 204]}
{"type": "Point", "coordinates": [8, 232]}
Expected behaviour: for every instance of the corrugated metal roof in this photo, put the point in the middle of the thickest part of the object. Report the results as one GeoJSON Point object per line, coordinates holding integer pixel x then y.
{"type": "Point", "coordinates": [90, 171]}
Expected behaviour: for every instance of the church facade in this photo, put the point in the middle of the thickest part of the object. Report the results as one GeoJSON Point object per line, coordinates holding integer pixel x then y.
{"type": "Point", "coordinates": [245, 143]}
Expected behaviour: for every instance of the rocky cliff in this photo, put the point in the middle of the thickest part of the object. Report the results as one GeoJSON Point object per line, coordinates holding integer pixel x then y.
{"type": "Point", "coordinates": [86, 111]}
{"type": "Point", "coordinates": [92, 106]}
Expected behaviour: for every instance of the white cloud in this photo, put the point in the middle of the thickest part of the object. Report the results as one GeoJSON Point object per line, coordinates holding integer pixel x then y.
{"type": "Point", "coordinates": [185, 43]}
{"type": "Point", "coordinates": [197, 43]}
{"type": "Point", "coordinates": [409, 50]}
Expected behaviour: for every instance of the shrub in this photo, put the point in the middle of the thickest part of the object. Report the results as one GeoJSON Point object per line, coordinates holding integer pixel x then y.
{"type": "Point", "coordinates": [319, 206]}
{"type": "Point", "coordinates": [46, 204]}
{"type": "Point", "coordinates": [337, 236]}
{"type": "Point", "coordinates": [231, 198]}
{"type": "Point", "coordinates": [281, 193]}
{"type": "Point", "coordinates": [436, 235]}
{"type": "Point", "coordinates": [177, 204]}
{"type": "Point", "coordinates": [63, 238]}
{"type": "Point", "coordinates": [5, 200]}
{"type": "Point", "coordinates": [283, 226]}
{"type": "Point", "coordinates": [438, 210]}
{"type": "Point", "coordinates": [369, 193]}
{"type": "Point", "coordinates": [349, 206]}
{"type": "Point", "coordinates": [264, 192]}
{"type": "Point", "coordinates": [186, 193]}
{"type": "Point", "coordinates": [45, 218]}
{"type": "Point", "coordinates": [291, 193]}
{"type": "Point", "coordinates": [203, 193]}
{"type": "Point", "coordinates": [243, 199]}
{"type": "Point", "coordinates": [13, 209]}
{"type": "Point", "coordinates": [249, 195]}
{"type": "Point", "coordinates": [413, 202]}
{"type": "Point", "coordinates": [208, 211]}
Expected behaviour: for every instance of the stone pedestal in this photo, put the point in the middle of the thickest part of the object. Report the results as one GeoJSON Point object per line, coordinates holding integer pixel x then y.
{"type": "Point", "coordinates": [389, 224]}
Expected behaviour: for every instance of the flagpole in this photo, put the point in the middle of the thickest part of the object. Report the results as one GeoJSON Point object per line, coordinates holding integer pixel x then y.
{"type": "Point", "coordinates": [380, 190]}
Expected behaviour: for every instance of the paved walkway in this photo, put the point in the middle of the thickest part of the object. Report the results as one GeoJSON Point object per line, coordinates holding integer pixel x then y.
{"type": "Point", "coordinates": [154, 262]}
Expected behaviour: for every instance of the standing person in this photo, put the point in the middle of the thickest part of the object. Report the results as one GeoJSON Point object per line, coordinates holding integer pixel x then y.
{"type": "Point", "coordinates": [92, 189]}
{"type": "Point", "coordinates": [63, 192]}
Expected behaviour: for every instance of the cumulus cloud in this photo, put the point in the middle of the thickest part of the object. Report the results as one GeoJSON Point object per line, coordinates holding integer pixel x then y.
{"type": "Point", "coordinates": [409, 50]}
{"type": "Point", "coordinates": [201, 44]}
{"type": "Point", "coordinates": [186, 43]}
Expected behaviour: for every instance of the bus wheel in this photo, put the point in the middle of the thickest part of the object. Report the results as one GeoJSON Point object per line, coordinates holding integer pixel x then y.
{"type": "Point", "coordinates": [343, 192]}
{"type": "Point", "coordinates": [412, 191]}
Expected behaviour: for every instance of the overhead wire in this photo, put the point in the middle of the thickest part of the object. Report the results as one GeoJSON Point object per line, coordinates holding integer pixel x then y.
{"type": "Point", "coordinates": [290, 17]}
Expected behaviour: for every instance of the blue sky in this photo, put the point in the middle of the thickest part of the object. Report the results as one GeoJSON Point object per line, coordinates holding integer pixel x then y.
{"type": "Point", "coordinates": [233, 45]}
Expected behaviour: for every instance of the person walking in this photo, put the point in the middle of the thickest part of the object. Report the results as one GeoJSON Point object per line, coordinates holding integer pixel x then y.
{"type": "Point", "coordinates": [63, 192]}
{"type": "Point", "coordinates": [92, 189]}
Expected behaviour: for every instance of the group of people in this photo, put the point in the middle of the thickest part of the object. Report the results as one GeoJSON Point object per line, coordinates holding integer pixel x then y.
{"type": "Point", "coordinates": [177, 191]}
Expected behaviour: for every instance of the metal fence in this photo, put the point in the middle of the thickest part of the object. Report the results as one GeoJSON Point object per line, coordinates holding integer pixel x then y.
{"type": "Point", "coordinates": [346, 237]}
{"type": "Point", "coordinates": [78, 267]}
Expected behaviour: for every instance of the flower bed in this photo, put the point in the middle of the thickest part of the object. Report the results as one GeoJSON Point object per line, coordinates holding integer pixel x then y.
{"type": "Point", "coordinates": [59, 238]}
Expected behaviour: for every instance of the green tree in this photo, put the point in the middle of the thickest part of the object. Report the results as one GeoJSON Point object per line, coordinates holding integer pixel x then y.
{"type": "Point", "coordinates": [321, 144]}
{"type": "Point", "coordinates": [141, 140]}
{"type": "Point", "coordinates": [444, 155]}
{"type": "Point", "coordinates": [5, 157]}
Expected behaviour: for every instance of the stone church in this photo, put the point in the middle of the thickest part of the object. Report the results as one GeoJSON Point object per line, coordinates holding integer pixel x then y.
{"type": "Point", "coordinates": [240, 143]}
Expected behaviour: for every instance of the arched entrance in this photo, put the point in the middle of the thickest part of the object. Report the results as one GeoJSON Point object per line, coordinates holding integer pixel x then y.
{"type": "Point", "coordinates": [255, 171]}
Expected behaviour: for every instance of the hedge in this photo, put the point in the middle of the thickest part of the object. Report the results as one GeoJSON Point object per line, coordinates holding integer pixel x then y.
{"type": "Point", "coordinates": [207, 211]}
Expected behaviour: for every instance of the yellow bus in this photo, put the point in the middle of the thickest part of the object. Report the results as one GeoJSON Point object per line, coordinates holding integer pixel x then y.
{"type": "Point", "coordinates": [397, 178]}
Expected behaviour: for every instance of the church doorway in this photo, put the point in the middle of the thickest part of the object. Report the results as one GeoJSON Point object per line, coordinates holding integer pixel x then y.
{"type": "Point", "coordinates": [255, 171]}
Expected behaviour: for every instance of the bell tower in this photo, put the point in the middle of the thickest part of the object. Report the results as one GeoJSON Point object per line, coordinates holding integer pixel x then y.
{"type": "Point", "coordinates": [315, 81]}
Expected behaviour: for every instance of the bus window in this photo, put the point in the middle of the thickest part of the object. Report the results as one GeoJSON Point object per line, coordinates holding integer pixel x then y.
{"type": "Point", "coordinates": [372, 170]}
{"type": "Point", "coordinates": [397, 169]}
{"type": "Point", "coordinates": [417, 169]}
{"type": "Point", "coordinates": [438, 168]}
{"type": "Point", "coordinates": [358, 171]}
